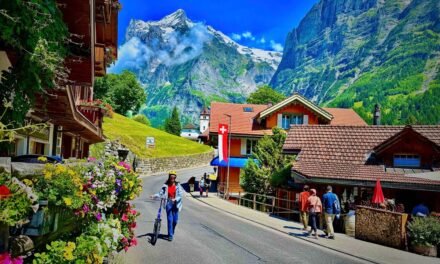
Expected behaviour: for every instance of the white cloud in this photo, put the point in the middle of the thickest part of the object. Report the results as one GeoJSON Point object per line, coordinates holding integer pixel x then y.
{"type": "Point", "coordinates": [177, 49]}
{"type": "Point", "coordinates": [276, 46]}
{"type": "Point", "coordinates": [235, 36]}
{"type": "Point", "coordinates": [248, 35]}
{"type": "Point", "coordinates": [262, 40]}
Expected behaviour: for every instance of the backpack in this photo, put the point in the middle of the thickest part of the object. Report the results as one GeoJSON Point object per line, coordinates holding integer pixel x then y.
{"type": "Point", "coordinates": [336, 205]}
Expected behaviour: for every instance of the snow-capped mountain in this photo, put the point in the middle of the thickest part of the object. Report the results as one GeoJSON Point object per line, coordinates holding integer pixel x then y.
{"type": "Point", "coordinates": [188, 64]}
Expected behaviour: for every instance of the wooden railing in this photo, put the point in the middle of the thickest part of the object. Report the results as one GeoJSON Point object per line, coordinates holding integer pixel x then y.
{"type": "Point", "coordinates": [260, 202]}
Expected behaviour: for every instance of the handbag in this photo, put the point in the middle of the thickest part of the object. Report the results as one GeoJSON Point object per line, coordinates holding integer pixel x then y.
{"type": "Point", "coordinates": [312, 210]}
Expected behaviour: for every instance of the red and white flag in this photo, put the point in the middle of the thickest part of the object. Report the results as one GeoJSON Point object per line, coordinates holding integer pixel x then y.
{"type": "Point", "coordinates": [223, 132]}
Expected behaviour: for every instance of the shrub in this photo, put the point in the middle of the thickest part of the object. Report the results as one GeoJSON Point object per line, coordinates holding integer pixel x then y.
{"type": "Point", "coordinates": [142, 119]}
{"type": "Point", "coordinates": [424, 231]}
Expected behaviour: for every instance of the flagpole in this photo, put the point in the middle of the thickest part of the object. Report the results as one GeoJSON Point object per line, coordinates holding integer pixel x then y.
{"type": "Point", "coordinates": [229, 155]}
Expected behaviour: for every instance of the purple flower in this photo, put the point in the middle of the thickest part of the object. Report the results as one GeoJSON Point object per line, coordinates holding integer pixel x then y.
{"type": "Point", "coordinates": [119, 182]}
{"type": "Point", "coordinates": [86, 208]}
{"type": "Point", "coordinates": [98, 216]}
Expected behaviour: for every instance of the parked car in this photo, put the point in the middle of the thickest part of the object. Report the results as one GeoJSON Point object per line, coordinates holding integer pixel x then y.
{"type": "Point", "coordinates": [34, 159]}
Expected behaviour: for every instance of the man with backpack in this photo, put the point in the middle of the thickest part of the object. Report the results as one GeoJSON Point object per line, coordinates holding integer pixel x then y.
{"type": "Point", "coordinates": [332, 208]}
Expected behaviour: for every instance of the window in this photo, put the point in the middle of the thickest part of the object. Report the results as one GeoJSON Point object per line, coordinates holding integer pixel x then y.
{"type": "Point", "coordinates": [291, 120]}
{"type": "Point", "coordinates": [248, 109]}
{"type": "Point", "coordinates": [250, 145]}
{"type": "Point", "coordinates": [407, 160]}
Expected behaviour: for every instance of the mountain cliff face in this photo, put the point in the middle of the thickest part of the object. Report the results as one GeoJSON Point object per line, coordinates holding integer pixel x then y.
{"type": "Point", "coordinates": [355, 53]}
{"type": "Point", "coordinates": [186, 64]}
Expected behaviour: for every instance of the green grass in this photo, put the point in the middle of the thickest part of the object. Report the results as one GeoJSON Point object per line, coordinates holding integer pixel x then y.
{"type": "Point", "coordinates": [133, 134]}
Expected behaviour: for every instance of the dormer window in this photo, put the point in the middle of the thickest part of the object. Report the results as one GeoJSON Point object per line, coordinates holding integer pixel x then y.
{"type": "Point", "coordinates": [406, 161]}
{"type": "Point", "coordinates": [248, 109]}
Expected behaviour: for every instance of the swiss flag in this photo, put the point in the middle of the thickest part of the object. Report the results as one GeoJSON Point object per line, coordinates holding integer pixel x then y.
{"type": "Point", "coordinates": [223, 131]}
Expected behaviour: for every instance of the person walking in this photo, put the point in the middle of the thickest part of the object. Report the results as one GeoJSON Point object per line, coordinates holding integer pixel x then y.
{"type": "Point", "coordinates": [172, 192]}
{"type": "Point", "coordinates": [207, 183]}
{"type": "Point", "coordinates": [314, 206]}
{"type": "Point", "coordinates": [201, 185]}
{"type": "Point", "coordinates": [303, 209]}
{"type": "Point", "coordinates": [332, 208]}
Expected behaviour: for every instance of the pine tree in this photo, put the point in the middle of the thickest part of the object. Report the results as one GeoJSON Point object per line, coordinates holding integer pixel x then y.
{"type": "Point", "coordinates": [172, 124]}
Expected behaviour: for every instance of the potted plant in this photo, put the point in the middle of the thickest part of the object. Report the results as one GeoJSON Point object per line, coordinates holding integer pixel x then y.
{"type": "Point", "coordinates": [425, 235]}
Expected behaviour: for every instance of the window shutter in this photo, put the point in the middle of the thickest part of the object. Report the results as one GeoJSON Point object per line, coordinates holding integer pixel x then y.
{"type": "Point", "coordinates": [243, 146]}
{"type": "Point", "coordinates": [280, 120]}
{"type": "Point", "coordinates": [306, 120]}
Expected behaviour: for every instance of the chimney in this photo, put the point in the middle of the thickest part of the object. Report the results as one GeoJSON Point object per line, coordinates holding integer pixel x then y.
{"type": "Point", "coordinates": [376, 115]}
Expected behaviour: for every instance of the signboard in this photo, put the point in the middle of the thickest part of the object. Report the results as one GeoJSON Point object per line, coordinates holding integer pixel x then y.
{"type": "Point", "coordinates": [150, 142]}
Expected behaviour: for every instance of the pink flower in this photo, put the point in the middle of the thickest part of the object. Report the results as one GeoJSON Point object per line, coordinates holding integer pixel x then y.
{"type": "Point", "coordinates": [90, 159]}
{"type": "Point", "coordinates": [133, 212]}
{"type": "Point", "coordinates": [134, 241]}
{"type": "Point", "coordinates": [5, 258]}
{"type": "Point", "coordinates": [133, 225]}
{"type": "Point", "coordinates": [126, 249]}
{"type": "Point", "coordinates": [124, 240]}
{"type": "Point", "coordinates": [124, 218]}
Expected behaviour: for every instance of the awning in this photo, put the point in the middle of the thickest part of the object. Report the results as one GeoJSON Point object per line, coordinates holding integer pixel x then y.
{"type": "Point", "coordinates": [233, 162]}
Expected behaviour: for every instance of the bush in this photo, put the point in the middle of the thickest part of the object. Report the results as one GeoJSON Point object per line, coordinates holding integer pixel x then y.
{"type": "Point", "coordinates": [424, 231]}
{"type": "Point", "coordinates": [142, 119]}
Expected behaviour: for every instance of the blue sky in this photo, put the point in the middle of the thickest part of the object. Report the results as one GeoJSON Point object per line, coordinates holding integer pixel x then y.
{"type": "Point", "coordinates": [255, 23]}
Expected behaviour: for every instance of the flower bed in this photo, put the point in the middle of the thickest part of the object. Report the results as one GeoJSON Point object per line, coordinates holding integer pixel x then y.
{"type": "Point", "coordinates": [95, 196]}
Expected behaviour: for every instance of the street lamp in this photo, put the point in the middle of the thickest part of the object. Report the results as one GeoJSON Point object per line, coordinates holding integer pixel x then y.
{"type": "Point", "coordinates": [229, 154]}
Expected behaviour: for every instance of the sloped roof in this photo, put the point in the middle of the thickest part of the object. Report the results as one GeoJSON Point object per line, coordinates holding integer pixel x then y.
{"type": "Point", "coordinates": [242, 122]}
{"type": "Point", "coordinates": [341, 152]}
{"type": "Point", "coordinates": [296, 97]}
{"type": "Point", "coordinates": [345, 116]}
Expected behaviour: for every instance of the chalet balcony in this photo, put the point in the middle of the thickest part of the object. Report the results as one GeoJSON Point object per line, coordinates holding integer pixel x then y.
{"type": "Point", "coordinates": [94, 111]}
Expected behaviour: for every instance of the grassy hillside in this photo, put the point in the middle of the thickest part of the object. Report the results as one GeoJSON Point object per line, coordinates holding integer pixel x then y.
{"type": "Point", "coordinates": [133, 134]}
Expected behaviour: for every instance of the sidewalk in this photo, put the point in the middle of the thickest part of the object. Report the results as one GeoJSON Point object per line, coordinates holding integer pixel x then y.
{"type": "Point", "coordinates": [348, 245]}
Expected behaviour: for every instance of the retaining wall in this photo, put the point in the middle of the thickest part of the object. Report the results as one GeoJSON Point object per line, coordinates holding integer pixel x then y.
{"type": "Point", "coordinates": [156, 165]}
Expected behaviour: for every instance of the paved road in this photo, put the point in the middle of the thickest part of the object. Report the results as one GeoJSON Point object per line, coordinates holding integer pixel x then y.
{"type": "Point", "coordinates": [207, 235]}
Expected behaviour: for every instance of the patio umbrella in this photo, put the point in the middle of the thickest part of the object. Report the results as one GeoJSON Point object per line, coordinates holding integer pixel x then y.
{"type": "Point", "coordinates": [378, 194]}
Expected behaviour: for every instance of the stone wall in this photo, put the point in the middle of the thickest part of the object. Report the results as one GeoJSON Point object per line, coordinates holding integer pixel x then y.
{"type": "Point", "coordinates": [156, 165]}
{"type": "Point", "coordinates": [381, 226]}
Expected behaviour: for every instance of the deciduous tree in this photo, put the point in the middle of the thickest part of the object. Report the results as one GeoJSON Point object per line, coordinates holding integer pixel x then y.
{"type": "Point", "coordinates": [264, 95]}
{"type": "Point", "coordinates": [271, 167]}
{"type": "Point", "coordinates": [123, 91]}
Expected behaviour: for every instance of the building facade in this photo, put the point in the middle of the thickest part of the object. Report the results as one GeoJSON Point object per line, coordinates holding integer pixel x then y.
{"type": "Point", "coordinates": [73, 117]}
{"type": "Point", "coordinates": [406, 159]}
{"type": "Point", "coordinates": [250, 122]}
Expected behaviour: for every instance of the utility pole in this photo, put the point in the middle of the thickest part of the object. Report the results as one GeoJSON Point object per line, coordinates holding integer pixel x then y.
{"type": "Point", "coordinates": [229, 155]}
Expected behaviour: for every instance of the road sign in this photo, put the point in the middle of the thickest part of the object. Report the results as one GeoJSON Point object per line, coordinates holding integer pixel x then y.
{"type": "Point", "coordinates": [150, 142]}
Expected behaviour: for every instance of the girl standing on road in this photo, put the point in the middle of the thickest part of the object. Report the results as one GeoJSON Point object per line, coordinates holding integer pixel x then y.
{"type": "Point", "coordinates": [315, 208]}
{"type": "Point", "coordinates": [172, 192]}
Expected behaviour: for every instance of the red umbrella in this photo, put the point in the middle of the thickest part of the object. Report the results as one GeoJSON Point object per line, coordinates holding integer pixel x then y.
{"type": "Point", "coordinates": [378, 194]}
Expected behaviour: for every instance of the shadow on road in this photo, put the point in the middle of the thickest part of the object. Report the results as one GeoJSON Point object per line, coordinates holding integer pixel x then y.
{"type": "Point", "coordinates": [292, 227]}
{"type": "Point", "coordinates": [150, 235]}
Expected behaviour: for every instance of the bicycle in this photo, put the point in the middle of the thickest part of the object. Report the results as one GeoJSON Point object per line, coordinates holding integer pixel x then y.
{"type": "Point", "coordinates": [157, 224]}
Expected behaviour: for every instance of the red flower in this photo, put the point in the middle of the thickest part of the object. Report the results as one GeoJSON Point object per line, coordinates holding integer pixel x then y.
{"type": "Point", "coordinates": [133, 225]}
{"type": "Point", "coordinates": [4, 192]}
{"type": "Point", "coordinates": [124, 218]}
{"type": "Point", "coordinates": [134, 242]}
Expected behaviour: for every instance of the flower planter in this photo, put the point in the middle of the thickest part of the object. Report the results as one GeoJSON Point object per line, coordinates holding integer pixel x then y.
{"type": "Point", "coordinates": [43, 221]}
{"type": "Point", "coordinates": [430, 251]}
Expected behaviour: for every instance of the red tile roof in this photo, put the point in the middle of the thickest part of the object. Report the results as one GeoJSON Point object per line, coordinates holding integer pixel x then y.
{"type": "Point", "coordinates": [345, 116]}
{"type": "Point", "coordinates": [341, 152]}
{"type": "Point", "coordinates": [242, 122]}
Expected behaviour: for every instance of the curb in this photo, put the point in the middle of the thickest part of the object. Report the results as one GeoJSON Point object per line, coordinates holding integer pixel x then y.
{"type": "Point", "coordinates": [303, 239]}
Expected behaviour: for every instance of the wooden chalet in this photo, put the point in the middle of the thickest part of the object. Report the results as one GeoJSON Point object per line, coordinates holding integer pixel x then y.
{"type": "Point", "coordinates": [74, 121]}
{"type": "Point", "coordinates": [406, 159]}
{"type": "Point", "coordinates": [250, 122]}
